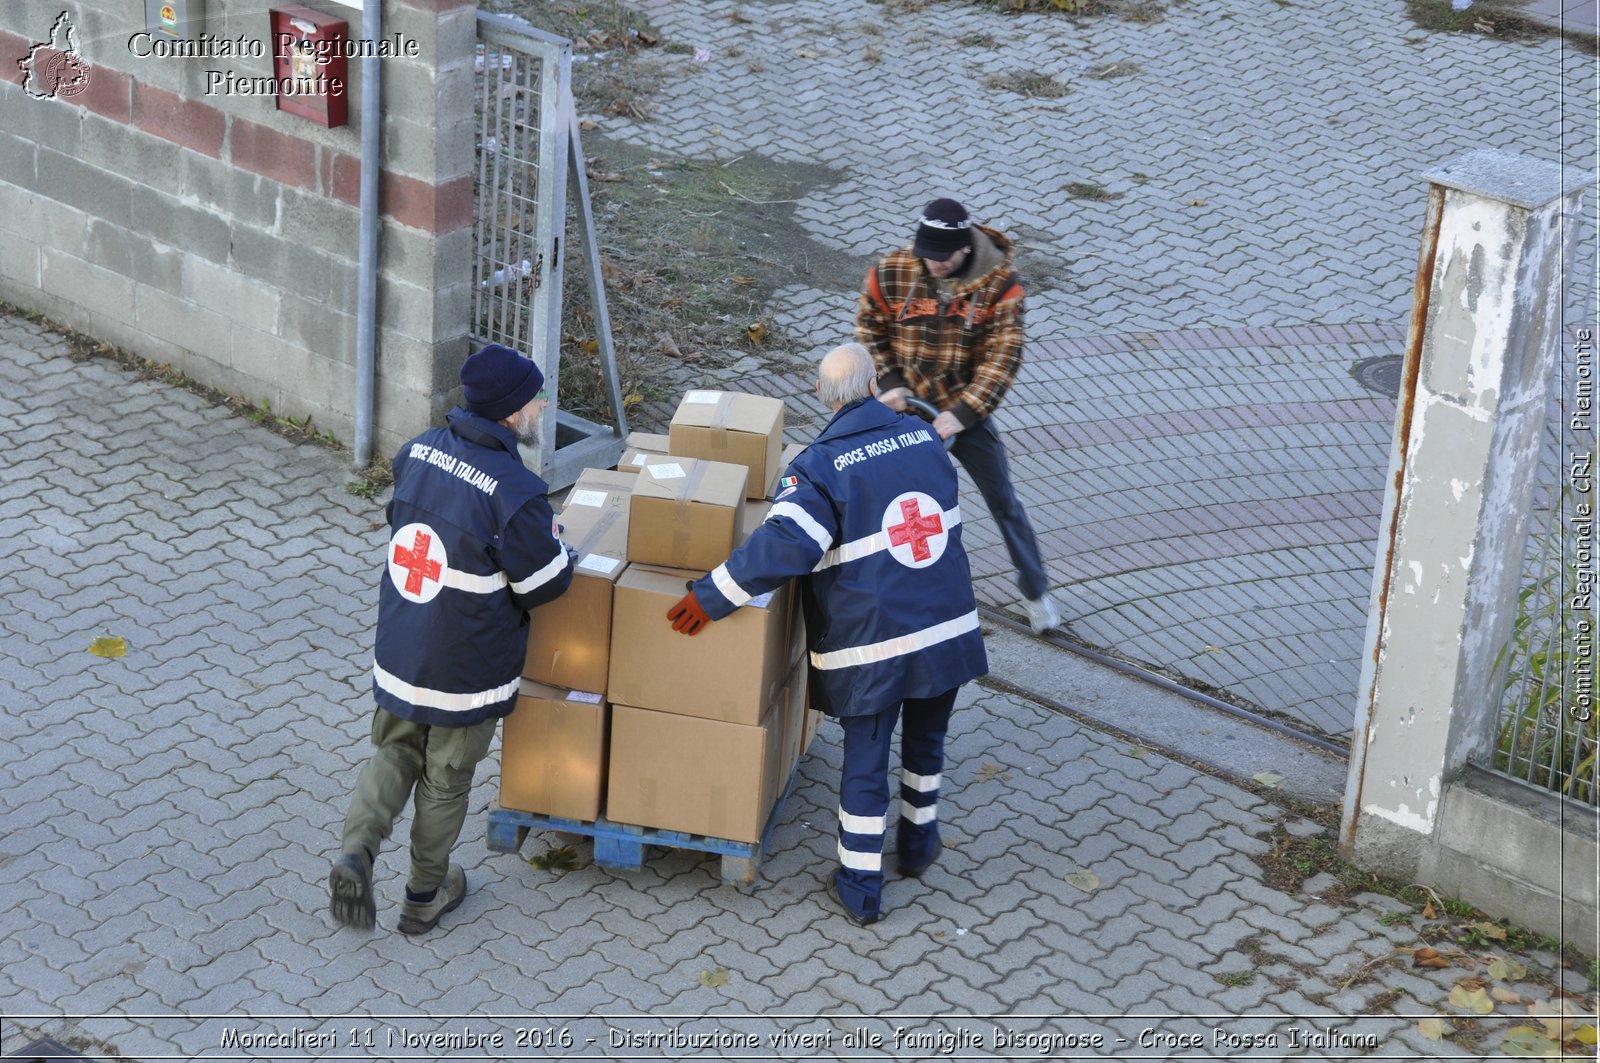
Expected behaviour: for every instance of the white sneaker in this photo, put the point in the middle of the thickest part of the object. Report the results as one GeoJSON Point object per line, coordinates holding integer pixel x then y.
{"type": "Point", "coordinates": [1043, 613]}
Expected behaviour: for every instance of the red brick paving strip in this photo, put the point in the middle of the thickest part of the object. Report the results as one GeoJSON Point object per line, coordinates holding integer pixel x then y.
{"type": "Point", "coordinates": [1212, 338]}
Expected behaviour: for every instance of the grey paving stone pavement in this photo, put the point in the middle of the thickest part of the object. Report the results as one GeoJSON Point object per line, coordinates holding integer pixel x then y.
{"type": "Point", "coordinates": [169, 816]}
{"type": "Point", "coordinates": [1206, 473]}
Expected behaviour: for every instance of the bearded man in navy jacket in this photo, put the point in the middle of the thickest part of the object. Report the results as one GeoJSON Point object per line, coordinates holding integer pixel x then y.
{"type": "Point", "coordinates": [471, 551]}
{"type": "Point", "coordinates": [868, 518]}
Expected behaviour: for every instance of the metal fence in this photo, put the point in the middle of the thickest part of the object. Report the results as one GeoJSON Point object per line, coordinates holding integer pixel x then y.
{"type": "Point", "coordinates": [1546, 726]}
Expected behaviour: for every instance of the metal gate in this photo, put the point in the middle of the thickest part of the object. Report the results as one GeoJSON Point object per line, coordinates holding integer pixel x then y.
{"type": "Point", "coordinates": [1545, 730]}
{"type": "Point", "coordinates": [527, 150]}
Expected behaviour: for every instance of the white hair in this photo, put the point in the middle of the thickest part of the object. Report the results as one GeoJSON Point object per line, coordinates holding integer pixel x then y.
{"type": "Point", "coordinates": [845, 375]}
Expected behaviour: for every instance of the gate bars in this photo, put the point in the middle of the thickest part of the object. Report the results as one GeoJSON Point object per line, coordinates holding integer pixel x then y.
{"type": "Point", "coordinates": [528, 146]}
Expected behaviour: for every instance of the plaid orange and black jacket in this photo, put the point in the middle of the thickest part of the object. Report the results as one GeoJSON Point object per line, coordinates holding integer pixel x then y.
{"type": "Point", "coordinates": [960, 348]}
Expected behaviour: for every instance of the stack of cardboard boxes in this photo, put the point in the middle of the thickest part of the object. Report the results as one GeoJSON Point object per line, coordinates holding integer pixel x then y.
{"type": "Point", "coordinates": [620, 716]}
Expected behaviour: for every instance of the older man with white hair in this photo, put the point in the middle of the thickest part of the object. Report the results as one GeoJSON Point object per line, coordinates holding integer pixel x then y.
{"type": "Point", "coordinates": [867, 517]}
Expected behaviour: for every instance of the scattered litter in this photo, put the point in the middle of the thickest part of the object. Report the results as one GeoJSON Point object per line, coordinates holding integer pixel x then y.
{"type": "Point", "coordinates": [502, 277]}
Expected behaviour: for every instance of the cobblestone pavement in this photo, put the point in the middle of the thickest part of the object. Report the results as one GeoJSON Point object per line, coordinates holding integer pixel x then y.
{"type": "Point", "coordinates": [169, 816]}
{"type": "Point", "coordinates": [1204, 468]}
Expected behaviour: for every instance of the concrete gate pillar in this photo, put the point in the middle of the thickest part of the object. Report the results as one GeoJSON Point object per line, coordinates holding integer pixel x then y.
{"type": "Point", "coordinates": [1472, 405]}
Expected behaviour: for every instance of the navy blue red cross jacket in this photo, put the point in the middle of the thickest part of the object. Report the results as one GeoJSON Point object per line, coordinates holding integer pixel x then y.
{"type": "Point", "coordinates": [470, 552]}
{"type": "Point", "coordinates": [868, 515]}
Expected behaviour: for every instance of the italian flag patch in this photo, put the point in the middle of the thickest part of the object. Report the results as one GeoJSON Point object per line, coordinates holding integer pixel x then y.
{"type": "Point", "coordinates": [788, 481]}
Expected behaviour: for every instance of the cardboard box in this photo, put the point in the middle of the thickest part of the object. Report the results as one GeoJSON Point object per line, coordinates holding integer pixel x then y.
{"type": "Point", "coordinates": [755, 515]}
{"type": "Point", "coordinates": [791, 748]}
{"type": "Point", "coordinates": [685, 512]}
{"type": "Point", "coordinates": [731, 671]}
{"type": "Point", "coordinates": [730, 427]}
{"type": "Point", "coordinates": [640, 446]}
{"type": "Point", "coordinates": [698, 776]}
{"type": "Point", "coordinates": [813, 724]}
{"type": "Point", "coordinates": [553, 753]}
{"type": "Point", "coordinates": [569, 639]}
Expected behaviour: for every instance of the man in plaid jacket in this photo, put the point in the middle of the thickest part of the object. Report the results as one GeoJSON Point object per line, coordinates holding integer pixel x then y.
{"type": "Point", "coordinates": [943, 320]}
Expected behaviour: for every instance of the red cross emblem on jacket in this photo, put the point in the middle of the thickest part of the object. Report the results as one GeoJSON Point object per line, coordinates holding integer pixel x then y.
{"type": "Point", "coordinates": [417, 562]}
{"type": "Point", "coordinates": [914, 527]}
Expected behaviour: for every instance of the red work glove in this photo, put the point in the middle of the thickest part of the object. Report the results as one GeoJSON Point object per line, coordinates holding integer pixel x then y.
{"type": "Point", "coordinates": [687, 616]}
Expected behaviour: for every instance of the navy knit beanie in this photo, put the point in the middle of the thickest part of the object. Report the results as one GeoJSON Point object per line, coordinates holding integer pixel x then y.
{"type": "Point", "coordinates": [499, 381]}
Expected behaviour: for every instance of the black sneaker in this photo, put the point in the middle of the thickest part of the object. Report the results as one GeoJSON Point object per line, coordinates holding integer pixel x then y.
{"type": "Point", "coordinates": [421, 918]}
{"type": "Point", "coordinates": [350, 892]}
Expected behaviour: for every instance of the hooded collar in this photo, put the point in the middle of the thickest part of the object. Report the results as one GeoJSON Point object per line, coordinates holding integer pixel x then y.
{"type": "Point", "coordinates": [862, 415]}
{"type": "Point", "coordinates": [475, 428]}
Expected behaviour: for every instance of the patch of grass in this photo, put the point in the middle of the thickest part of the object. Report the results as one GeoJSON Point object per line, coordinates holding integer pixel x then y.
{"type": "Point", "coordinates": [691, 249]}
{"type": "Point", "coordinates": [1490, 18]}
{"type": "Point", "coordinates": [1029, 83]}
{"type": "Point", "coordinates": [1106, 71]}
{"type": "Point", "coordinates": [1090, 190]}
{"type": "Point", "coordinates": [1235, 979]}
{"type": "Point", "coordinates": [977, 40]}
{"type": "Point", "coordinates": [1382, 1003]}
{"type": "Point", "coordinates": [375, 479]}
{"type": "Point", "coordinates": [1395, 918]}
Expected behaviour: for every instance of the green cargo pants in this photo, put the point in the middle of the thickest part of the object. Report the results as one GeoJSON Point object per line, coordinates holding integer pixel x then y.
{"type": "Point", "coordinates": [439, 762]}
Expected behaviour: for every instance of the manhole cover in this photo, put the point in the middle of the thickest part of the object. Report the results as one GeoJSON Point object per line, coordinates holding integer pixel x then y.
{"type": "Point", "coordinates": [1380, 374]}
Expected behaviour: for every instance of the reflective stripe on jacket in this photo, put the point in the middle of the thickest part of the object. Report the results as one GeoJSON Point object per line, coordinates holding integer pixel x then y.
{"type": "Point", "coordinates": [470, 553]}
{"type": "Point", "coordinates": [871, 523]}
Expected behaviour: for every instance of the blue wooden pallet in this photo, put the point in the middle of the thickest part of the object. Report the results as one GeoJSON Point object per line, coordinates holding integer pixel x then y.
{"type": "Point", "coordinates": [620, 846]}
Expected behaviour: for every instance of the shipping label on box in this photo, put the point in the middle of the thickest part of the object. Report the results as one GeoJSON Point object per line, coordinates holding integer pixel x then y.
{"type": "Point", "coordinates": [569, 638]}
{"type": "Point", "coordinates": [731, 427]}
{"type": "Point", "coordinates": [732, 670]}
{"type": "Point", "coordinates": [553, 753]}
{"type": "Point", "coordinates": [685, 512]}
{"type": "Point", "coordinates": [639, 448]}
{"type": "Point", "coordinates": [693, 775]}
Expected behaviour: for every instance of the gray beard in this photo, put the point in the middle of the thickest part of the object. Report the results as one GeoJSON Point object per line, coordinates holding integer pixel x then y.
{"type": "Point", "coordinates": [527, 430]}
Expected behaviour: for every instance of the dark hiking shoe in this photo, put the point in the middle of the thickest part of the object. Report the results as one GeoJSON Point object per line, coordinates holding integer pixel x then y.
{"type": "Point", "coordinates": [421, 918]}
{"type": "Point", "coordinates": [350, 892]}
{"type": "Point", "coordinates": [858, 918]}
{"type": "Point", "coordinates": [915, 870]}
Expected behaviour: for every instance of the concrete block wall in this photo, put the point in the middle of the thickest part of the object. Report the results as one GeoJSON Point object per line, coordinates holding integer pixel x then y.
{"type": "Point", "coordinates": [207, 230]}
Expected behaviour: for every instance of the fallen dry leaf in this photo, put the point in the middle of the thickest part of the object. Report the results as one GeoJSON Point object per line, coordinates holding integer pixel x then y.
{"type": "Point", "coordinates": [1473, 1000]}
{"type": "Point", "coordinates": [1269, 779]}
{"type": "Point", "coordinates": [988, 771]}
{"type": "Point", "coordinates": [1506, 996]}
{"type": "Point", "coordinates": [1507, 970]}
{"type": "Point", "coordinates": [757, 331]}
{"type": "Point", "coordinates": [1087, 881]}
{"type": "Point", "coordinates": [714, 978]}
{"type": "Point", "coordinates": [1489, 930]}
{"type": "Point", "coordinates": [1528, 1042]}
{"type": "Point", "coordinates": [1558, 1017]}
{"type": "Point", "coordinates": [742, 280]}
{"type": "Point", "coordinates": [1434, 1029]}
{"type": "Point", "coordinates": [108, 646]}
{"type": "Point", "coordinates": [1428, 911]}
